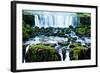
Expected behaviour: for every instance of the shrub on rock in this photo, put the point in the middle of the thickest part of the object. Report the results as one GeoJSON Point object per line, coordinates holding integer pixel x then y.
{"type": "Point", "coordinates": [78, 52]}
{"type": "Point", "coordinates": [41, 53]}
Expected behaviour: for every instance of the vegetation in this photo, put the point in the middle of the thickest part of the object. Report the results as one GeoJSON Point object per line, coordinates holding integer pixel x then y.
{"type": "Point", "coordinates": [29, 19]}
{"type": "Point", "coordinates": [85, 18]}
{"type": "Point", "coordinates": [83, 30]}
{"type": "Point", "coordinates": [41, 53]}
{"type": "Point", "coordinates": [79, 52]}
{"type": "Point", "coordinates": [27, 31]}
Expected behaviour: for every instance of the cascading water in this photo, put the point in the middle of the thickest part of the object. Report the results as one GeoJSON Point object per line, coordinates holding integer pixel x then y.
{"type": "Point", "coordinates": [26, 50]}
{"type": "Point", "coordinates": [55, 19]}
{"type": "Point", "coordinates": [59, 49]}
{"type": "Point", "coordinates": [67, 58]}
{"type": "Point", "coordinates": [61, 55]}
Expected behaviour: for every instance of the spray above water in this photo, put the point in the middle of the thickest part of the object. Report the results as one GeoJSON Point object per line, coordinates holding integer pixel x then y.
{"type": "Point", "coordinates": [56, 20]}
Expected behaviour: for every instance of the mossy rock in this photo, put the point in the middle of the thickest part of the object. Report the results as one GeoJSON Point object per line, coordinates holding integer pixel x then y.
{"type": "Point", "coordinates": [41, 53]}
{"type": "Point", "coordinates": [78, 52]}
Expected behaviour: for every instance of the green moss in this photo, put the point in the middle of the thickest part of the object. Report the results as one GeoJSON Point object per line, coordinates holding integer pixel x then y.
{"type": "Point", "coordinates": [83, 30]}
{"type": "Point", "coordinates": [41, 53]}
{"type": "Point", "coordinates": [78, 52]}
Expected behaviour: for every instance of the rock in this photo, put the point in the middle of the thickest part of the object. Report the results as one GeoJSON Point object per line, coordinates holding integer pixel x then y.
{"type": "Point", "coordinates": [41, 53]}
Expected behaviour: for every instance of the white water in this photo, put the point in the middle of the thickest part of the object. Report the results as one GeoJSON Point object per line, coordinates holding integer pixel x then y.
{"type": "Point", "coordinates": [60, 53]}
{"type": "Point", "coordinates": [59, 49]}
{"type": "Point", "coordinates": [67, 53]}
{"type": "Point", "coordinates": [55, 40]}
{"type": "Point", "coordinates": [67, 56]}
{"type": "Point", "coordinates": [27, 48]}
{"type": "Point", "coordinates": [55, 19]}
{"type": "Point", "coordinates": [45, 39]}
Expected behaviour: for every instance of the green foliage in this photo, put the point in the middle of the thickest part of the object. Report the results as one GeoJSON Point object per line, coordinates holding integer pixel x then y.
{"type": "Point", "coordinates": [35, 31]}
{"type": "Point", "coordinates": [27, 31]}
{"type": "Point", "coordinates": [42, 53]}
{"type": "Point", "coordinates": [83, 30]}
{"type": "Point", "coordinates": [85, 18]}
{"type": "Point", "coordinates": [67, 30]}
{"type": "Point", "coordinates": [28, 22]}
{"type": "Point", "coordinates": [29, 19]}
{"type": "Point", "coordinates": [78, 52]}
{"type": "Point", "coordinates": [71, 39]}
{"type": "Point", "coordinates": [75, 45]}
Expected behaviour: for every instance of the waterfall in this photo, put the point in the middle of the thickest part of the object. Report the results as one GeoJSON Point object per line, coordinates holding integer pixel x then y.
{"type": "Point", "coordinates": [61, 55]}
{"type": "Point", "coordinates": [67, 54]}
{"type": "Point", "coordinates": [59, 49]}
{"type": "Point", "coordinates": [26, 50]}
{"type": "Point", "coordinates": [36, 20]}
{"type": "Point", "coordinates": [55, 19]}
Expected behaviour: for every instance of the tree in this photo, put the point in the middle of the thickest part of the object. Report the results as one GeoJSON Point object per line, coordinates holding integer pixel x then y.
{"type": "Point", "coordinates": [85, 18]}
{"type": "Point", "coordinates": [29, 19]}
{"type": "Point", "coordinates": [26, 31]}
